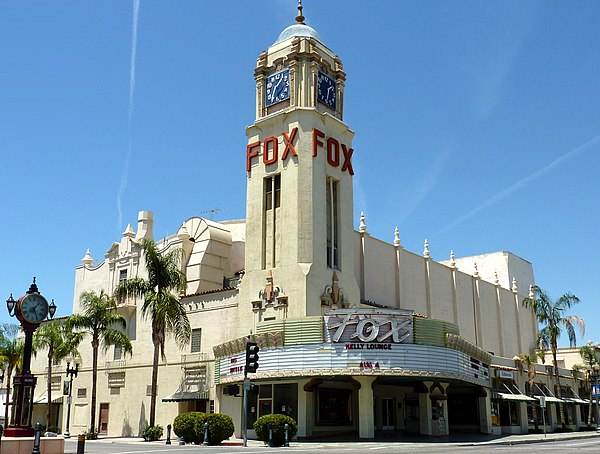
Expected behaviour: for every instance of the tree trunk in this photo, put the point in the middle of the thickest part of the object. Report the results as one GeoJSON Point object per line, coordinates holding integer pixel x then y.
{"type": "Point", "coordinates": [94, 379]}
{"type": "Point", "coordinates": [534, 405]}
{"type": "Point", "coordinates": [49, 384]}
{"type": "Point", "coordinates": [589, 423]}
{"type": "Point", "coordinates": [557, 377]}
{"type": "Point", "coordinates": [154, 385]}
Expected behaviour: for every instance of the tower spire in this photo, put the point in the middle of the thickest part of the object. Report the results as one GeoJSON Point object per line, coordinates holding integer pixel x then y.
{"type": "Point", "coordinates": [300, 17]}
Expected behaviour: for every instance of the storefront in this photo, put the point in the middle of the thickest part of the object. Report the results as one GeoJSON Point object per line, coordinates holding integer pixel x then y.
{"type": "Point", "coordinates": [361, 371]}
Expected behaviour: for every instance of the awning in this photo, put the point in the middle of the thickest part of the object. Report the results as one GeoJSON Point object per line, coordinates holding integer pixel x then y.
{"type": "Point", "coordinates": [186, 396]}
{"type": "Point", "coordinates": [551, 399]}
{"type": "Point", "coordinates": [574, 400]}
{"type": "Point", "coordinates": [44, 400]}
{"type": "Point", "coordinates": [508, 396]}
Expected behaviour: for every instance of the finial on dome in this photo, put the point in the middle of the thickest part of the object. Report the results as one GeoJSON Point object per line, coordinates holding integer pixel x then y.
{"type": "Point", "coordinates": [452, 260]}
{"type": "Point", "coordinates": [476, 272]}
{"type": "Point", "coordinates": [515, 289]}
{"type": "Point", "coordinates": [396, 237]}
{"type": "Point", "coordinates": [426, 249]}
{"type": "Point", "coordinates": [496, 280]}
{"type": "Point", "coordinates": [300, 17]}
{"type": "Point", "coordinates": [362, 228]}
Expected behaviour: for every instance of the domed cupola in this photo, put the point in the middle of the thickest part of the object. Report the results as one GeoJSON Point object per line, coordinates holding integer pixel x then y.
{"type": "Point", "coordinates": [298, 29]}
{"type": "Point", "coordinates": [298, 70]}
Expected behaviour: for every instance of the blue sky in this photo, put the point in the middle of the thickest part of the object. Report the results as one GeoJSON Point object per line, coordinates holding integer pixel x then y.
{"type": "Point", "coordinates": [477, 126]}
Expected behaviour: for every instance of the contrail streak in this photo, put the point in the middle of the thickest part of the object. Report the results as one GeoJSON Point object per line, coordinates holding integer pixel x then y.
{"type": "Point", "coordinates": [125, 170]}
{"type": "Point", "coordinates": [523, 182]}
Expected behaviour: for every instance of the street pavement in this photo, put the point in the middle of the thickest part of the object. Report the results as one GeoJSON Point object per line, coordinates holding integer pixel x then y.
{"type": "Point", "coordinates": [588, 440]}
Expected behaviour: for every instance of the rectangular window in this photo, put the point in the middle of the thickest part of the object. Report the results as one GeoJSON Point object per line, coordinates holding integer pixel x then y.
{"type": "Point", "coordinates": [118, 353]}
{"type": "Point", "coordinates": [196, 340]}
{"type": "Point", "coordinates": [212, 406]}
{"type": "Point", "coordinates": [82, 393]}
{"type": "Point", "coordinates": [149, 390]}
{"type": "Point", "coordinates": [272, 201]}
{"type": "Point", "coordinates": [122, 275]}
{"type": "Point", "coordinates": [333, 223]}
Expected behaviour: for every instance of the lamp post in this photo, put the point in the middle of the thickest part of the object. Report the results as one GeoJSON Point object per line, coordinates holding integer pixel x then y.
{"type": "Point", "coordinates": [71, 371]}
{"type": "Point", "coordinates": [31, 310]}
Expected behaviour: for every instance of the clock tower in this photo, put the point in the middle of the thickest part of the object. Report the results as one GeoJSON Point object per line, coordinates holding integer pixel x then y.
{"type": "Point", "coordinates": [299, 210]}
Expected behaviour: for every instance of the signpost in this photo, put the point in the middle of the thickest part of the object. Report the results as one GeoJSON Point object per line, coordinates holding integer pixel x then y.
{"type": "Point", "coordinates": [543, 405]}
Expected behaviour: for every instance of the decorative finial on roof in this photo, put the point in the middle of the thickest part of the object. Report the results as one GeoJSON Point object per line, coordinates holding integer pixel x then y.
{"type": "Point", "coordinates": [300, 17]}
{"type": "Point", "coordinates": [87, 259]}
{"type": "Point", "coordinates": [426, 249]}
{"type": "Point", "coordinates": [476, 272]}
{"type": "Point", "coordinates": [515, 289]}
{"type": "Point", "coordinates": [496, 280]}
{"type": "Point", "coordinates": [33, 288]}
{"type": "Point", "coordinates": [396, 237]}
{"type": "Point", "coordinates": [129, 231]}
{"type": "Point", "coordinates": [362, 228]}
{"type": "Point", "coordinates": [452, 260]}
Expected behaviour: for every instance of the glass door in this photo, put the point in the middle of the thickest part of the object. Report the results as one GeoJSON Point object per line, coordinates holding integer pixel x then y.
{"type": "Point", "coordinates": [388, 420]}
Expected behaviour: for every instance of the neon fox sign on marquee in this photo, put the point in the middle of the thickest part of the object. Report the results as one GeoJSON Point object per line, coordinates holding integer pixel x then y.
{"type": "Point", "coordinates": [337, 153]}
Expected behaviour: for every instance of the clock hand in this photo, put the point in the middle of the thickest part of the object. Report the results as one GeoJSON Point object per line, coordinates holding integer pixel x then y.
{"type": "Point", "coordinates": [275, 88]}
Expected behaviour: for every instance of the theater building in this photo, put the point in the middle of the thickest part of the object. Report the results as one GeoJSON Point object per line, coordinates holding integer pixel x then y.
{"type": "Point", "coordinates": [357, 335]}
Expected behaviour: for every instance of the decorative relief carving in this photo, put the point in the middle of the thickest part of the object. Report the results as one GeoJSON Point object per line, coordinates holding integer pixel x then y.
{"type": "Point", "coordinates": [333, 296]}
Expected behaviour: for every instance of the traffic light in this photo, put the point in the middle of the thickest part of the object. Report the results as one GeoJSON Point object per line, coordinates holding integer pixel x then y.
{"type": "Point", "coordinates": [251, 357]}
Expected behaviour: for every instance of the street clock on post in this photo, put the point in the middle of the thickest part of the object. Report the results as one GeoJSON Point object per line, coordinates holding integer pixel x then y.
{"type": "Point", "coordinates": [31, 310]}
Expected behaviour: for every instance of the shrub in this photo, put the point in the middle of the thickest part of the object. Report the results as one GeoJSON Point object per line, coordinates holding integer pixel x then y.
{"type": "Point", "coordinates": [220, 427]}
{"type": "Point", "coordinates": [277, 422]}
{"type": "Point", "coordinates": [152, 433]}
{"type": "Point", "coordinates": [185, 425]}
{"type": "Point", "coordinates": [91, 435]}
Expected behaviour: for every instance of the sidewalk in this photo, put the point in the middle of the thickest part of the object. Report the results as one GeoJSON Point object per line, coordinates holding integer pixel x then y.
{"type": "Point", "coordinates": [453, 440]}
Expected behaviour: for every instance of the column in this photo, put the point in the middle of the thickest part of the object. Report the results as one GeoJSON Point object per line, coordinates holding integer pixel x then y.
{"type": "Point", "coordinates": [552, 416]}
{"type": "Point", "coordinates": [427, 258]}
{"type": "Point", "coordinates": [425, 414]}
{"type": "Point", "coordinates": [522, 414]}
{"type": "Point", "coordinates": [499, 314]}
{"type": "Point", "coordinates": [366, 417]}
{"type": "Point", "coordinates": [485, 413]}
{"type": "Point", "coordinates": [305, 410]}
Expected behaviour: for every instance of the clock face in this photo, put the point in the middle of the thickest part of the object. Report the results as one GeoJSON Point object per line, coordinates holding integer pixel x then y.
{"type": "Point", "coordinates": [278, 87]}
{"type": "Point", "coordinates": [34, 308]}
{"type": "Point", "coordinates": [326, 92]}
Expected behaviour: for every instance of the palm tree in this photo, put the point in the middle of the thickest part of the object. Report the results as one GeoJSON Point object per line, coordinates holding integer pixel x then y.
{"type": "Point", "coordinates": [167, 314]}
{"type": "Point", "coordinates": [11, 354]}
{"type": "Point", "coordinates": [61, 342]}
{"type": "Point", "coordinates": [99, 319]}
{"type": "Point", "coordinates": [591, 359]}
{"type": "Point", "coordinates": [551, 314]}
{"type": "Point", "coordinates": [530, 359]}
